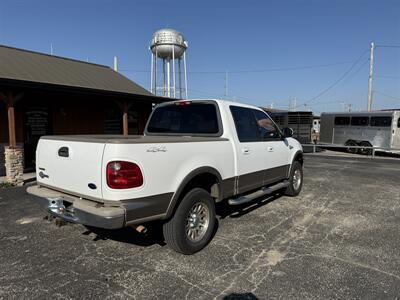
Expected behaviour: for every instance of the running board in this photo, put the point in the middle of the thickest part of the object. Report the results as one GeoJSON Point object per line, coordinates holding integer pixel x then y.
{"type": "Point", "coordinates": [259, 193]}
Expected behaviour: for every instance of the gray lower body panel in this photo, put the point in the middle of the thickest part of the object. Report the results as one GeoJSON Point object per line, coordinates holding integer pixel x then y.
{"type": "Point", "coordinates": [250, 181]}
{"type": "Point", "coordinates": [86, 212]}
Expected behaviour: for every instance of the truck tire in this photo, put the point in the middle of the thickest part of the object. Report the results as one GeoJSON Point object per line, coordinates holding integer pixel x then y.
{"type": "Point", "coordinates": [295, 180]}
{"type": "Point", "coordinates": [191, 227]}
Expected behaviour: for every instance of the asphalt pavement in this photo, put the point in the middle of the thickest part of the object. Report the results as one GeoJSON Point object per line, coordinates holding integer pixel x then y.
{"type": "Point", "coordinates": [339, 239]}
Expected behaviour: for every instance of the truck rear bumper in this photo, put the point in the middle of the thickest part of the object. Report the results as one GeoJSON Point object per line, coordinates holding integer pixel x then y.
{"type": "Point", "coordinates": [76, 210]}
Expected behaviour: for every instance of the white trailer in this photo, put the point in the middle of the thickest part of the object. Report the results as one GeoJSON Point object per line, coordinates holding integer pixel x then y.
{"type": "Point", "coordinates": [378, 129]}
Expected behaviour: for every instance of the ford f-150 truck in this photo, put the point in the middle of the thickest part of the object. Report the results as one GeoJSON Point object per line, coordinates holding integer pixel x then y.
{"type": "Point", "coordinates": [193, 154]}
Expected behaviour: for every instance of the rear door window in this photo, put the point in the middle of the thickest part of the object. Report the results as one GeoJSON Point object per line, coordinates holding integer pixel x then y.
{"type": "Point", "coordinates": [381, 121]}
{"type": "Point", "coordinates": [359, 121]}
{"type": "Point", "coordinates": [246, 124]}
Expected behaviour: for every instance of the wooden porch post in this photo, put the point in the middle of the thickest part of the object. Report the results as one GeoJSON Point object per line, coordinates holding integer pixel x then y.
{"type": "Point", "coordinates": [10, 100]}
{"type": "Point", "coordinates": [14, 156]}
{"type": "Point", "coordinates": [125, 118]}
{"type": "Point", "coordinates": [11, 120]}
{"type": "Point", "coordinates": [124, 106]}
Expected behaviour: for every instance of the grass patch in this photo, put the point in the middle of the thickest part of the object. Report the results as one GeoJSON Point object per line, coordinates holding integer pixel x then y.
{"type": "Point", "coordinates": [5, 184]}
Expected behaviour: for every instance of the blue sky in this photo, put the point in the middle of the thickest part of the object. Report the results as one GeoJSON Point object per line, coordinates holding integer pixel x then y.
{"type": "Point", "coordinates": [233, 36]}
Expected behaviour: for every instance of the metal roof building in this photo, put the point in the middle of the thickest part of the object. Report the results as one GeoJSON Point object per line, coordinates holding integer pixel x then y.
{"type": "Point", "coordinates": [45, 94]}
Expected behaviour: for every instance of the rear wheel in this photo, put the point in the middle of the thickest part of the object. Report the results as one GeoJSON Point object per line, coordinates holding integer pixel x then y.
{"type": "Point", "coordinates": [295, 179]}
{"type": "Point", "coordinates": [191, 227]}
{"type": "Point", "coordinates": [352, 144]}
{"type": "Point", "coordinates": [365, 151]}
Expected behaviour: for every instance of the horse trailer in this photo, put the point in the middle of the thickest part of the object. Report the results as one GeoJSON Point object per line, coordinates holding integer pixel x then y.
{"type": "Point", "coordinates": [300, 121]}
{"type": "Point", "coordinates": [379, 129]}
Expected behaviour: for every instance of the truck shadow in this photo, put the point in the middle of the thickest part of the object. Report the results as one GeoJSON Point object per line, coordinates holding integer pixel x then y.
{"type": "Point", "coordinates": [154, 234]}
{"type": "Point", "coordinates": [129, 235]}
{"type": "Point", "coordinates": [225, 210]}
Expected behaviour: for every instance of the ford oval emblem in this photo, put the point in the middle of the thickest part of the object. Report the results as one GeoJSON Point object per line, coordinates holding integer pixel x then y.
{"type": "Point", "coordinates": [92, 186]}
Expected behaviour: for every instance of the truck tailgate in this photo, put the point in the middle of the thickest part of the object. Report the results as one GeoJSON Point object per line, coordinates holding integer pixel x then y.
{"type": "Point", "coordinates": [71, 166]}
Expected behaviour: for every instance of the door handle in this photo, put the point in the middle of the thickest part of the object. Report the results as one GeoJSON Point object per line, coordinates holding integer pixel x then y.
{"type": "Point", "coordinates": [246, 151]}
{"type": "Point", "coordinates": [270, 149]}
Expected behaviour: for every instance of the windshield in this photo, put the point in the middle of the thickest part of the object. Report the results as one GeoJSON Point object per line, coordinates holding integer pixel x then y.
{"type": "Point", "coordinates": [185, 118]}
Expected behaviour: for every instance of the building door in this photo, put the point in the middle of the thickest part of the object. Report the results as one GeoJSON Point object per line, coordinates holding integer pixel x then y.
{"type": "Point", "coordinates": [37, 122]}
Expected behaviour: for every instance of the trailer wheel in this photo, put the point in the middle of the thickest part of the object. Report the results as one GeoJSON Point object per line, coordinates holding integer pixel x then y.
{"type": "Point", "coordinates": [351, 143]}
{"type": "Point", "coordinates": [192, 226]}
{"type": "Point", "coordinates": [365, 151]}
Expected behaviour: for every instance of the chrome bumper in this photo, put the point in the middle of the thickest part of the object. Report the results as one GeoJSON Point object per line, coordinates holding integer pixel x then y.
{"type": "Point", "coordinates": [78, 211]}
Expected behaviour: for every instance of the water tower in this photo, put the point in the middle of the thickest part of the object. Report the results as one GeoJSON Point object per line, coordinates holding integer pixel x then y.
{"type": "Point", "coordinates": [168, 48]}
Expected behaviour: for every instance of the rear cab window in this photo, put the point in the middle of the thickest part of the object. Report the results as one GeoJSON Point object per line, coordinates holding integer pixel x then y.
{"type": "Point", "coordinates": [186, 118]}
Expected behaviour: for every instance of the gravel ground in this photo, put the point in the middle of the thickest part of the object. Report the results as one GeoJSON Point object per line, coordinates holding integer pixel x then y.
{"type": "Point", "coordinates": [339, 239]}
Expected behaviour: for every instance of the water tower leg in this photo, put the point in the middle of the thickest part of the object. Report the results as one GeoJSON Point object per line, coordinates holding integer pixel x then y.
{"type": "Point", "coordinates": [152, 73]}
{"type": "Point", "coordinates": [184, 67]}
{"type": "Point", "coordinates": [155, 73]}
{"type": "Point", "coordinates": [173, 70]}
{"type": "Point", "coordinates": [168, 78]}
{"type": "Point", "coordinates": [180, 78]}
{"type": "Point", "coordinates": [165, 81]}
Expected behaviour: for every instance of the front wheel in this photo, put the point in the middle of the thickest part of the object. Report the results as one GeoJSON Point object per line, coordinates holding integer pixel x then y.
{"type": "Point", "coordinates": [191, 227]}
{"type": "Point", "coordinates": [295, 179]}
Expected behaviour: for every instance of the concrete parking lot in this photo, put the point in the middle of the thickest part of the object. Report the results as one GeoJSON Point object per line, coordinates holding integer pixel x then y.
{"type": "Point", "coordinates": [339, 239]}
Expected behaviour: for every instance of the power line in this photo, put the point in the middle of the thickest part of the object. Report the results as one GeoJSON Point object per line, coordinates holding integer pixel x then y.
{"type": "Point", "coordinates": [255, 70]}
{"type": "Point", "coordinates": [388, 76]}
{"type": "Point", "coordinates": [338, 80]}
{"type": "Point", "coordinates": [387, 46]}
{"type": "Point", "coordinates": [386, 95]}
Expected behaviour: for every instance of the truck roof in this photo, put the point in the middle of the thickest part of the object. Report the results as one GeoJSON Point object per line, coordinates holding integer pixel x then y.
{"type": "Point", "coordinates": [220, 102]}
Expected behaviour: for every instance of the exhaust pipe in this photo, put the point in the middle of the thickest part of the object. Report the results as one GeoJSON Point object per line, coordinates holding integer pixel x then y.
{"type": "Point", "coordinates": [139, 228]}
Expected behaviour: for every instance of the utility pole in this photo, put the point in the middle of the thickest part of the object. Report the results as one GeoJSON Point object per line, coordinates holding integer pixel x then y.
{"type": "Point", "coordinates": [349, 107]}
{"type": "Point", "coordinates": [371, 67]}
{"type": "Point", "coordinates": [226, 84]}
{"type": "Point", "coordinates": [115, 64]}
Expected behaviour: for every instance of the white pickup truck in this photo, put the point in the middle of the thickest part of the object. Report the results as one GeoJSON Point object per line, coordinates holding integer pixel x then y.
{"type": "Point", "coordinates": [192, 155]}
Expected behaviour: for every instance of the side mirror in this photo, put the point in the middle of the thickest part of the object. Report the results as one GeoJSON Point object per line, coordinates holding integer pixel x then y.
{"type": "Point", "coordinates": [287, 132]}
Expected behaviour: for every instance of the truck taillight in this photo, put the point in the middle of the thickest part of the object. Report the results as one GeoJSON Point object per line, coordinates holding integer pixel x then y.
{"type": "Point", "coordinates": [123, 175]}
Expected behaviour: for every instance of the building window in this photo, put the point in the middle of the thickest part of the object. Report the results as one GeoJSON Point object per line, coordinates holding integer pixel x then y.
{"type": "Point", "coordinates": [342, 121]}
{"type": "Point", "coordinates": [359, 121]}
{"type": "Point", "coordinates": [398, 123]}
{"type": "Point", "coordinates": [381, 121]}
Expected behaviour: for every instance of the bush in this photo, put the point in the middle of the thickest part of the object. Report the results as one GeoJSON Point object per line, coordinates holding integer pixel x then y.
{"type": "Point", "coordinates": [5, 184]}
